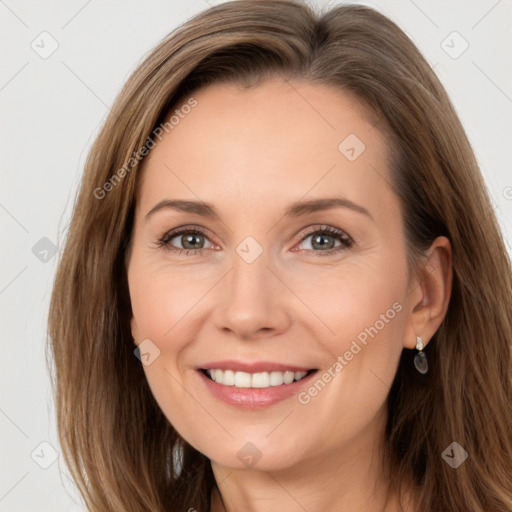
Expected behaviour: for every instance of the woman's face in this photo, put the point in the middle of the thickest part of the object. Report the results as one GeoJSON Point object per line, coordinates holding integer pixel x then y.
{"type": "Point", "coordinates": [255, 289]}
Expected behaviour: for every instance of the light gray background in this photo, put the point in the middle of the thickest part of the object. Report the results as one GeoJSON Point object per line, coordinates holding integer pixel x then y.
{"type": "Point", "coordinates": [51, 110]}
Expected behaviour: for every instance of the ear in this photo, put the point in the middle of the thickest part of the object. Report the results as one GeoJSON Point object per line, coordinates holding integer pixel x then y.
{"type": "Point", "coordinates": [429, 294]}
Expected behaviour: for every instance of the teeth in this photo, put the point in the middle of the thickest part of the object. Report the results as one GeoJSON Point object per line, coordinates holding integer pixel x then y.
{"type": "Point", "coordinates": [242, 379]}
{"type": "Point", "coordinates": [288, 377]}
{"type": "Point", "coordinates": [254, 380]}
{"type": "Point", "coordinates": [228, 377]}
{"type": "Point", "coordinates": [276, 378]}
{"type": "Point", "coordinates": [260, 380]}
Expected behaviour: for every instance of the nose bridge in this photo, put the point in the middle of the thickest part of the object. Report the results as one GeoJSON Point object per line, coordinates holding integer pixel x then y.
{"type": "Point", "coordinates": [250, 300]}
{"type": "Point", "coordinates": [250, 274]}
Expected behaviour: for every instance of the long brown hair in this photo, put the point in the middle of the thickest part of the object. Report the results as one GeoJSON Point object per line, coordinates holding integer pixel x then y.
{"type": "Point", "coordinates": [121, 450]}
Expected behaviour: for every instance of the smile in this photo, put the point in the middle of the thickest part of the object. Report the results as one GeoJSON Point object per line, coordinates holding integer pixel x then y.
{"type": "Point", "coordinates": [258, 380]}
{"type": "Point", "coordinates": [256, 389]}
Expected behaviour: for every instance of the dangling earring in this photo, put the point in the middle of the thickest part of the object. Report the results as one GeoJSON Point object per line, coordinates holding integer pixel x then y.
{"type": "Point", "coordinates": [420, 359]}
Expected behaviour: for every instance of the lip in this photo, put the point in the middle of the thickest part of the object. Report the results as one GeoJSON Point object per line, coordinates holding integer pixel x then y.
{"type": "Point", "coordinates": [253, 367]}
{"type": "Point", "coordinates": [254, 398]}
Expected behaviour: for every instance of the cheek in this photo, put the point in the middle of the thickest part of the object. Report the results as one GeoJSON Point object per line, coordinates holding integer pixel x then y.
{"type": "Point", "coordinates": [364, 352]}
{"type": "Point", "coordinates": [361, 298]}
{"type": "Point", "coordinates": [362, 308]}
{"type": "Point", "coordinates": [152, 312]}
{"type": "Point", "coordinates": [161, 298]}
{"type": "Point", "coordinates": [160, 305]}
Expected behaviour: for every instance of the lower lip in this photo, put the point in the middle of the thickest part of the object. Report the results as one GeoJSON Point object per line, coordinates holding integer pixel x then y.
{"type": "Point", "coordinates": [254, 398]}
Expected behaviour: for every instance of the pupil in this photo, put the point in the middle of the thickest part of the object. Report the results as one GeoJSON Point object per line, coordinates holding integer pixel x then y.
{"type": "Point", "coordinates": [321, 237]}
{"type": "Point", "coordinates": [189, 238]}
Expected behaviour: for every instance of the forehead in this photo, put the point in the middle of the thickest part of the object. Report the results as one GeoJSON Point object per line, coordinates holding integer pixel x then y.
{"type": "Point", "coordinates": [278, 139]}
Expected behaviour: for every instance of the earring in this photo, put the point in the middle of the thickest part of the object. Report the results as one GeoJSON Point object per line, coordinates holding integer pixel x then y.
{"type": "Point", "coordinates": [420, 359]}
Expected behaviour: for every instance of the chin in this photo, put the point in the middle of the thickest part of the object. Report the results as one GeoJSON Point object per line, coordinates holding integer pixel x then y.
{"type": "Point", "coordinates": [257, 455]}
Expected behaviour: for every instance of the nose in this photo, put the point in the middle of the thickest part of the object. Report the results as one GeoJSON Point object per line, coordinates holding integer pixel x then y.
{"type": "Point", "coordinates": [252, 301]}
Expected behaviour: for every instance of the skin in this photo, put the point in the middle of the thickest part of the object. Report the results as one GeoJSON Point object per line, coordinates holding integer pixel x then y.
{"type": "Point", "coordinates": [251, 153]}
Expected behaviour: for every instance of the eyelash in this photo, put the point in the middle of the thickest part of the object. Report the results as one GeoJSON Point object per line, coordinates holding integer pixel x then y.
{"type": "Point", "coordinates": [346, 241]}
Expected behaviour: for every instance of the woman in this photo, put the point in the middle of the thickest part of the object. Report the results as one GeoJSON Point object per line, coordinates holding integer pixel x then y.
{"type": "Point", "coordinates": [206, 359]}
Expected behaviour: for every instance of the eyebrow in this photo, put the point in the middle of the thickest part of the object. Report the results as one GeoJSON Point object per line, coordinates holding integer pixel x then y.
{"type": "Point", "coordinates": [296, 209]}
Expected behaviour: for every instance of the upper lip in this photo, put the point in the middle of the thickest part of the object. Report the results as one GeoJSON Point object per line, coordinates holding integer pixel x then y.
{"type": "Point", "coordinates": [253, 366]}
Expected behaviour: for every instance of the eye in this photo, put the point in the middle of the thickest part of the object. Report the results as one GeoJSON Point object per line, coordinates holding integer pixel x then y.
{"type": "Point", "coordinates": [325, 239]}
{"type": "Point", "coordinates": [191, 240]}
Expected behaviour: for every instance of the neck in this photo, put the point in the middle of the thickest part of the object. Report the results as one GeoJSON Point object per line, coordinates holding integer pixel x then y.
{"type": "Point", "coordinates": [350, 478]}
